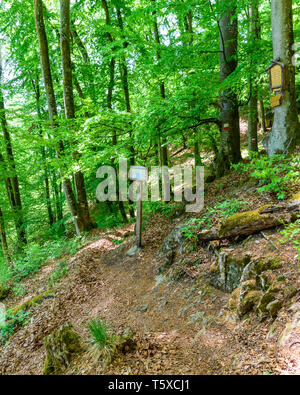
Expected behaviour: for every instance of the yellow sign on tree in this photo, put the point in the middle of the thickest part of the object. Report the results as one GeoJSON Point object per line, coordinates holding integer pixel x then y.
{"type": "Point", "coordinates": [276, 81]}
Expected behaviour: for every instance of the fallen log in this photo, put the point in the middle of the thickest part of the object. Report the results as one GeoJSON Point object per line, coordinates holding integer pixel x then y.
{"type": "Point", "coordinates": [249, 222]}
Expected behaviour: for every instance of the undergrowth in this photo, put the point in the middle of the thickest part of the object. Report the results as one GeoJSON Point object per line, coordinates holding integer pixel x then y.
{"type": "Point", "coordinates": [274, 173]}
{"type": "Point", "coordinates": [12, 323]}
{"type": "Point", "coordinates": [35, 255]}
{"type": "Point", "coordinates": [221, 210]}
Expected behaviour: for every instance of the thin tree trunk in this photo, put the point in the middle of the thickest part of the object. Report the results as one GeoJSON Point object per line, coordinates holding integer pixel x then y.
{"type": "Point", "coordinates": [43, 152]}
{"type": "Point", "coordinates": [3, 238]}
{"type": "Point", "coordinates": [12, 179]}
{"type": "Point", "coordinates": [263, 116]}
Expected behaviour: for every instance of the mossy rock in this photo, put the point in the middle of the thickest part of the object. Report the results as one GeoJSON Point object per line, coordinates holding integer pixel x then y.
{"type": "Point", "coordinates": [267, 263]}
{"type": "Point", "coordinates": [4, 291]}
{"type": "Point", "coordinates": [33, 301]}
{"type": "Point", "coordinates": [274, 307]}
{"type": "Point", "coordinates": [60, 346]}
{"type": "Point", "coordinates": [289, 291]}
{"type": "Point", "coordinates": [226, 273]}
{"type": "Point", "coordinates": [248, 302]}
{"type": "Point", "coordinates": [234, 299]}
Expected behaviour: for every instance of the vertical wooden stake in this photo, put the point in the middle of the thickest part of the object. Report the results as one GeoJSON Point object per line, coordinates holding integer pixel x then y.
{"type": "Point", "coordinates": [139, 216]}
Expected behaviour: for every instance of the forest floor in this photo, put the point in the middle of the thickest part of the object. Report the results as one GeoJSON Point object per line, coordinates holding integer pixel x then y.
{"type": "Point", "coordinates": [181, 327]}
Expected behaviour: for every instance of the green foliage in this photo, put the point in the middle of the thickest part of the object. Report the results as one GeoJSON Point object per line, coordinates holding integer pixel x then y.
{"type": "Point", "coordinates": [5, 272]}
{"type": "Point", "coordinates": [18, 289]}
{"type": "Point", "coordinates": [100, 334]}
{"type": "Point", "coordinates": [103, 341]}
{"type": "Point", "coordinates": [12, 323]}
{"type": "Point", "coordinates": [109, 221]}
{"type": "Point", "coordinates": [164, 208]}
{"type": "Point", "coordinates": [35, 255]}
{"type": "Point", "coordinates": [221, 210]}
{"type": "Point", "coordinates": [274, 173]}
{"type": "Point", "coordinates": [291, 234]}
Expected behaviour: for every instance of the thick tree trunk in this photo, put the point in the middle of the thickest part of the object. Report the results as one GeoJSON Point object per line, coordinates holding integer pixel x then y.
{"type": "Point", "coordinates": [230, 135]}
{"type": "Point", "coordinates": [253, 112]}
{"type": "Point", "coordinates": [51, 101]}
{"type": "Point", "coordinates": [84, 221]}
{"type": "Point", "coordinates": [283, 137]}
{"type": "Point", "coordinates": [162, 139]}
{"type": "Point", "coordinates": [110, 89]}
{"type": "Point", "coordinates": [124, 77]}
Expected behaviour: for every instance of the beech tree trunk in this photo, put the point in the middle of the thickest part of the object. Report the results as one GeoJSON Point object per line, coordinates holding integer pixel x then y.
{"type": "Point", "coordinates": [230, 151]}
{"type": "Point", "coordinates": [253, 111]}
{"type": "Point", "coordinates": [286, 130]}
{"type": "Point", "coordinates": [110, 89]}
{"type": "Point", "coordinates": [36, 87]}
{"type": "Point", "coordinates": [51, 102]}
{"type": "Point", "coordinates": [84, 221]}
{"type": "Point", "coordinates": [162, 140]}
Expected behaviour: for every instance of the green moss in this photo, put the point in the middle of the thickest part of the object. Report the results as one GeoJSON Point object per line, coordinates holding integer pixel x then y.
{"type": "Point", "coordinates": [267, 263]}
{"type": "Point", "coordinates": [32, 302]}
{"type": "Point", "coordinates": [247, 303]}
{"type": "Point", "coordinates": [214, 267]}
{"type": "Point", "coordinates": [234, 299]}
{"type": "Point", "coordinates": [289, 292]}
{"type": "Point", "coordinates": [267, 298]}
{"type": "Point", "coordinates": [241, 220]}
{"type": "Point", "coordinates": [274, 307]}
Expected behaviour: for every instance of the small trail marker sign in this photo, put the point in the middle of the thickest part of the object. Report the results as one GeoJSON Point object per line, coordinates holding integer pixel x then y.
{"type": "Point", "coordinates": [140, 174]}
{"type": "Point", "coordinates": [276, 81]}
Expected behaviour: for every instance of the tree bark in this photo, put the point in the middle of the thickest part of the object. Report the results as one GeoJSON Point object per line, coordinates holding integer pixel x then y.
{"type": "Point", "coordinates": [110, 89]}
{"type": "Point", "coordinates": [51, 102]}
{"type": "Point", "coordinates": [3, 238]}
{"type": "Point", "coordinates": [230, 151]}
{"type": "Point", "coordinates": [253, 112]}
{"type": "Point", "coordinates": [162, 140]}
{"type": "Point", "coordinates": [286, 130]}
{"type": "Point", "coordinates": [12, 181]}
{"type": "Point", "coordinates": [83, 215]}
{"type": "Point", "coordinates": [43, 152]}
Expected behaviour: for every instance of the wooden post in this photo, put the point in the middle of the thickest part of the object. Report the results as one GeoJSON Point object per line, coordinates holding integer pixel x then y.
{"type": "Point", "coordinates": [139, 216]}
{"type": "Point", "coordinates": [139, 174]}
